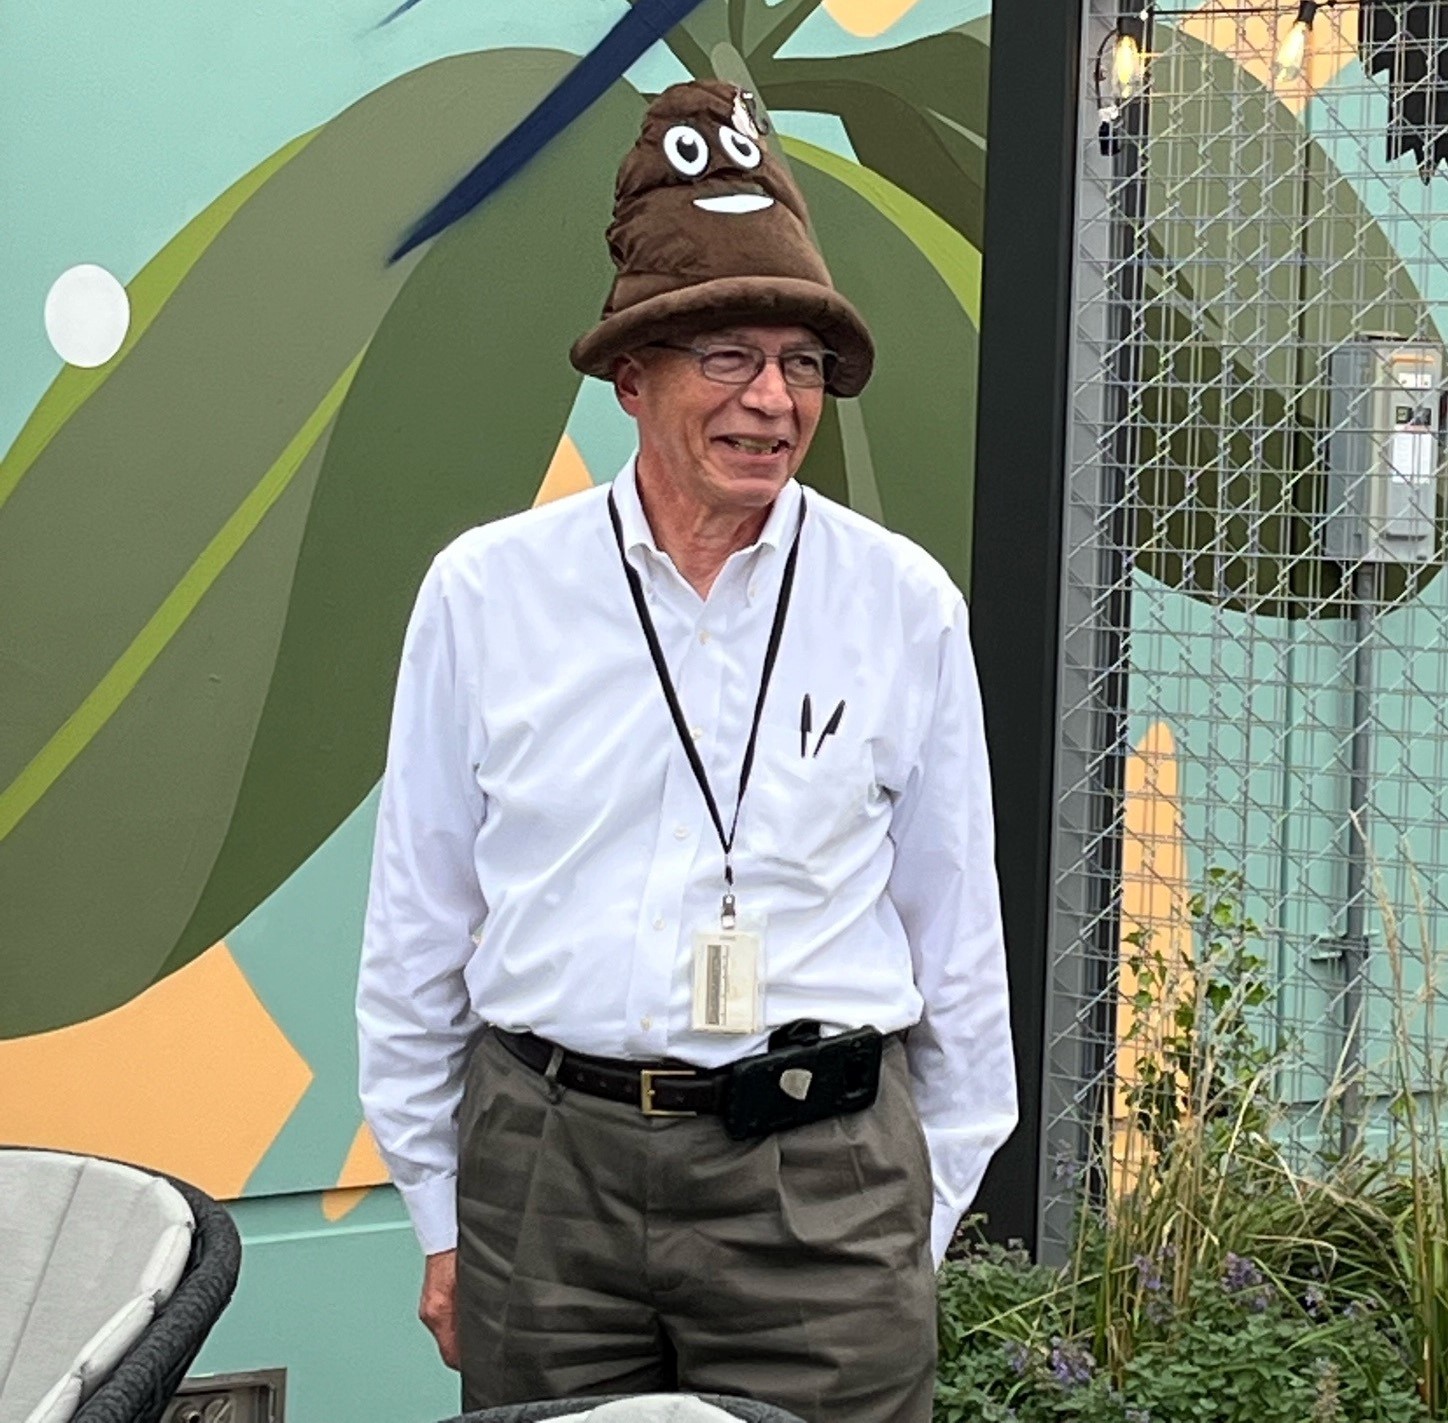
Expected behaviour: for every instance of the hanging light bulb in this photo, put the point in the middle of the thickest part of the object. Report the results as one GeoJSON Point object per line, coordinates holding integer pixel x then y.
{"type": "Point", "coordinates": [1127, 67]}
{"type": "Point", "coordinates": [1124, 78]}
{"type": "Point", "coordinates": [1292, 53]}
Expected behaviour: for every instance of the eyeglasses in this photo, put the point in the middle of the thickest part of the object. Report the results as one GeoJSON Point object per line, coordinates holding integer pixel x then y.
{"type": "Point", "coordinates": [805, 369]}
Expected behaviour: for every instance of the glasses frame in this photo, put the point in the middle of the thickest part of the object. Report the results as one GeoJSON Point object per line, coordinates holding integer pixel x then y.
{"type": "Point", "coordinates": [762, 358]}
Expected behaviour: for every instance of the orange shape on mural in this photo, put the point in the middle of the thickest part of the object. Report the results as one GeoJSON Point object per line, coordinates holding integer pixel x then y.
{"type": "Point", "coordinates": [1155, 905]}
{"type": "Point", "coordinates": [363, 1169]}
{"type": "Point", "coordinates": [567, 474]}
{"type": "Point", "coordinates": [867, 18]}
{"type": "Point", "coordinates": [193, 1077]}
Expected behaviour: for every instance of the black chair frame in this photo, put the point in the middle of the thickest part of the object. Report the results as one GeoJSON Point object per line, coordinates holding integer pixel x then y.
{"type": "Point", "coordinates": [145, 1380]}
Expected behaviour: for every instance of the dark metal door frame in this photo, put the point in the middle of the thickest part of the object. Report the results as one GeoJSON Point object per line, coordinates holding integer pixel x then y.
{"type": "Point", "coordinates": [1021, 461]}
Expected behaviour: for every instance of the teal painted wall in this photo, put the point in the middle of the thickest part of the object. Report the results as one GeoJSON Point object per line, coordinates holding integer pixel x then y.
{"type": "Point", "coordinates": [335, 1305]}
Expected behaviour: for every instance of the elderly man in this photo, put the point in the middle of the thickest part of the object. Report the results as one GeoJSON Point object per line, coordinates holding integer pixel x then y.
{"type": "Point", "coordinates": [682, 1006]}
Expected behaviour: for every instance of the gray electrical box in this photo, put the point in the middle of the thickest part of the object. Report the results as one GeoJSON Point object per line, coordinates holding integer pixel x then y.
{"type": "Point", "coordinates": [257, 1396]}
{"type": "Point", "coordinates": [1384, 451]}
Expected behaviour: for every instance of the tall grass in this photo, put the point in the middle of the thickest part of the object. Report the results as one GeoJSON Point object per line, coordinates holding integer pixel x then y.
{"type": "Point", "coordinates": [1199, 1180]}
{"type": "Point", "coordinates": [1200, 1183]}
{"type": "Point", "coordinates": [1414, 1202]}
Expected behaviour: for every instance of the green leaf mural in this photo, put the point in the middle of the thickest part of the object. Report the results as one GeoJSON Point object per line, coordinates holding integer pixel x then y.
{"type": "Point", "coordinates": [292, 431]}
{"type": "Point", "coordinates": [457, 407]}
{"type": "Point", "coordinates": [166, 534]}
{"type": "Point", "coordinates": [915, 115]}
{"type": "Point", "coordinates": [916, 282]}
{"type": "Point", "coordinates": [209, 547]}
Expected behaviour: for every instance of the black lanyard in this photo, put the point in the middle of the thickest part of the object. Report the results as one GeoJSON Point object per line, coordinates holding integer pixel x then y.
{"type": "Point", "coordinates": [666, 682]}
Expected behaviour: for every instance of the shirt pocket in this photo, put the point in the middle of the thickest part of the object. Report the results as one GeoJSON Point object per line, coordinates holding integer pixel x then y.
{"type": "Point", "coordinates": [800, 809]}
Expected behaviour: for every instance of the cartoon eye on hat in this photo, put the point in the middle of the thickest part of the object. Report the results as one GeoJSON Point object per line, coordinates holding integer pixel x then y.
{"type": "Point", "coordinates": [740, 147]}
{"type": "Point", "coordinates": [686, 150]}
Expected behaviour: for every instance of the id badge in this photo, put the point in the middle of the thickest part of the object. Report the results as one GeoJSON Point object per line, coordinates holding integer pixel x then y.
{"type": "Point", "coordinates": [729, 981]}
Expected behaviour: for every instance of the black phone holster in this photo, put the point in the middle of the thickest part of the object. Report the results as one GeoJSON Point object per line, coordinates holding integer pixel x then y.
{"type": "Point", "coordinates": [835, 1075]}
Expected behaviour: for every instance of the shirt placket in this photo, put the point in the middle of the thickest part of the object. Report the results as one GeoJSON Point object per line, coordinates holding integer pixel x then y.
{"type": "Point", "coordinates": [689, 635]}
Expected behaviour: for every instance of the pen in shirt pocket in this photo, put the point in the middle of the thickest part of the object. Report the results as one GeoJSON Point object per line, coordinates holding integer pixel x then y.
{"type": "Point", "coordinates": [831, 726]}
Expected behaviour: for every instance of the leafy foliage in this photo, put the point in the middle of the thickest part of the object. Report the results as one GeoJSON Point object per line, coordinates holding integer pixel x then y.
{"type": "Point", "coordinates": [1206, 1056]}
{"type": "Point", "coordinates": [1208, 1280]}
{"type": "Point", "coordinates": [1242, 1349]}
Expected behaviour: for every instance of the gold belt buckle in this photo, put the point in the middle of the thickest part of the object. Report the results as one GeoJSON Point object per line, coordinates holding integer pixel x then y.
{"type": "Point", "coordinates": [646, 1089]}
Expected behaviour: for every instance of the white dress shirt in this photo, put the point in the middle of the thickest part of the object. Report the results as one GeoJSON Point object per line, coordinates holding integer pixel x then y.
{"type": "Point", "coordinates": [544, 854]}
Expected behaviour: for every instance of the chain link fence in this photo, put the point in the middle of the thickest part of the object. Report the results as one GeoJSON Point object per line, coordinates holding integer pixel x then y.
{"type": "Point", "coordinates": [1254, 678]}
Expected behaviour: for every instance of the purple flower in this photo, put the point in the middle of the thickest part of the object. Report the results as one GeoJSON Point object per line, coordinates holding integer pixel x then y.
{"type": "Point", "coordinates": [1064, 1169]}
{"type": "Point", "coordinates": [1240, 1274]}
{"type": "Point", "coordinates": [1314, 1300]}
{"type": "Point", "coordinates": [1137, 1415]}
{"type": "Point", "coordinates": [1148, 1273]}
{"type": "Point", "coordinates": [1017, 1356]}
{"type": "Point", "coordinates": [1158, 1310]}
{"type": "Point", "coordinates": [1071, 1364]}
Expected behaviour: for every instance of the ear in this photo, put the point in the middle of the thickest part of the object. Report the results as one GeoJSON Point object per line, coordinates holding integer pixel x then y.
{"type": "Point", "coordinates": [628, 375]}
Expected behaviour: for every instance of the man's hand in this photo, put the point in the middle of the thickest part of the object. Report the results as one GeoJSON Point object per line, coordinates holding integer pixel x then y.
{"type": "Point", "coordinates": [438, 1307]}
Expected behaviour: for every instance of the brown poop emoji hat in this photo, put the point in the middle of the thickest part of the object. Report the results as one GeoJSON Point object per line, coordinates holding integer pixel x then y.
{"type": "Point", "coordinates": [709, 230]}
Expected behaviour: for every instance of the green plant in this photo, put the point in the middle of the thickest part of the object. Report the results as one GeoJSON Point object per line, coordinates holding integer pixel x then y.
{"type": "Point", "coordinates": [1193, 1169]}
{"type": "Point", "coordinates": [1240, 1350]}
{"type": "Point", "coordinates": [1209, 1279]}
{"type": "Point", "coordinates": [1206, 1058]}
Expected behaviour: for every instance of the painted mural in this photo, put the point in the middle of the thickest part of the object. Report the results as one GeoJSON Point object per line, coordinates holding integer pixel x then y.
{"type": "Point", "coordinates": [261, 384]}
{"type": "Point", "coordinates": [237, 429]}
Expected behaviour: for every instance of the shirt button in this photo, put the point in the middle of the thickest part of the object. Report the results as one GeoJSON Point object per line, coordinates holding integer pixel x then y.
{"type": "Point", "coordinates": [696, 732]}
{"type": "Point", "coordinates": [704, 636]}
{"type": "Point", "coordinates": [646, 1023]}
{"type": "Point", "coordinates": [659, 922]}
{"type": "Point", "coordinates": [681, 832]}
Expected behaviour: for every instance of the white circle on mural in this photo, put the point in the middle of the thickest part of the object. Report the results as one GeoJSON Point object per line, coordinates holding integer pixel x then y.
{"type": "Point", "coordinates": [87, 315]}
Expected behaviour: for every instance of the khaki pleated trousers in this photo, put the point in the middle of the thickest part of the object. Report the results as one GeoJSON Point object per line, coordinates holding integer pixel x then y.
{"type": "Point", "coordinates": [602, 1251]}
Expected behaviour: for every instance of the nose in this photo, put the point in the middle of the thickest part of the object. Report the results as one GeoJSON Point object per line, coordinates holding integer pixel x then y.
{"type": "Point", "coordinates": [768, 392]}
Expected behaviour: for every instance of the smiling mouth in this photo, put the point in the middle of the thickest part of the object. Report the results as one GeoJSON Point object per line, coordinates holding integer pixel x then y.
{"type": "Point", "coordinates": [735, 202]}
{"type": "Point", "coordinates": [750, 446]}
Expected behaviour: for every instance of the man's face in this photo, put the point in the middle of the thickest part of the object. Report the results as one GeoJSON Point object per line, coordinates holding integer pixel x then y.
{"type": "Point", "coordinates": [730, 446]}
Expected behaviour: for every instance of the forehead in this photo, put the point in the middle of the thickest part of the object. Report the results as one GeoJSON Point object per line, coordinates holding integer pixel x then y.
{"type": "Point", "coordinates": [769, 337]}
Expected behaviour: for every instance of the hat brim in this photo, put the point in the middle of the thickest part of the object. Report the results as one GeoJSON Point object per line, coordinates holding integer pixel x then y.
{"type": "Point", "coordinates": [725, 301]}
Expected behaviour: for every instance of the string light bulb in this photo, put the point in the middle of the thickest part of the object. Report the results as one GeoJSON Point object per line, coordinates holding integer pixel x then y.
{"type": "Point", "coordinates": [1126, 67]}
{"type": "Point", "coordinates": [1292, 53]}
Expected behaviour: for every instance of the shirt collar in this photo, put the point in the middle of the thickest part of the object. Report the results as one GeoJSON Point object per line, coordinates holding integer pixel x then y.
{"type": "Point", "coordinates": [637, 533]}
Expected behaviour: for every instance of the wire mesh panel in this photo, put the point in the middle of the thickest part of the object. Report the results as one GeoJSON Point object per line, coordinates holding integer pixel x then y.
{"type": "Point", "coordinates": [1253, 745]}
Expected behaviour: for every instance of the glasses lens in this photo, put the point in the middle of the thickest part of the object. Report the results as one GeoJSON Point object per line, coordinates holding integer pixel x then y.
{"type": "Point", "coordinates": [806, 368]}
{"type": "Point", "coordinates": [734, 364]}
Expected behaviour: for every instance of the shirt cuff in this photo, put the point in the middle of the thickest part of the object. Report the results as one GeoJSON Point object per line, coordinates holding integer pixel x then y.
{"type": "Point", "coordinates": [944, 1221]}
{"type": "Point", "coordinates": [433, 1206]}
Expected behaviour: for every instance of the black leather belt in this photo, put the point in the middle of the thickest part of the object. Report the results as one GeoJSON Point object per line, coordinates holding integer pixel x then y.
{"type": "Point", "coordinates": [661, 1089]}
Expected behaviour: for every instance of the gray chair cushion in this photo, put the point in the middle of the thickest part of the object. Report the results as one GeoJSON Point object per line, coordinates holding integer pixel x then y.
{"type": "Point", "coordinates": [652, 1408]}
{"type": "Point", "coordinates": [635, 1408]}
{"type": "Point", "coordinates": [89, 1250]}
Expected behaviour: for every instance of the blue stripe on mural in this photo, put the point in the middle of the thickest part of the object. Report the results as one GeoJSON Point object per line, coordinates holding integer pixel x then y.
{"type": "Point", "coordinates": [602, 67]}
{"type": "Point", "coordinates": [401, 10]}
